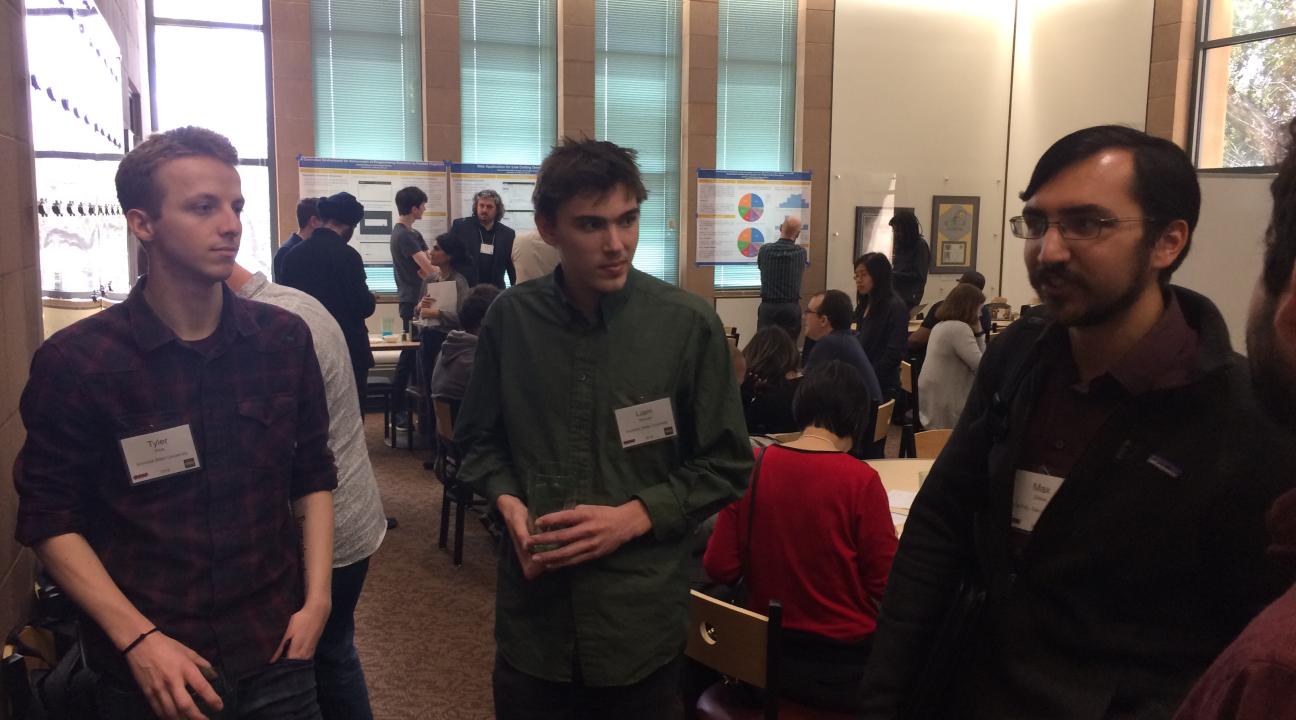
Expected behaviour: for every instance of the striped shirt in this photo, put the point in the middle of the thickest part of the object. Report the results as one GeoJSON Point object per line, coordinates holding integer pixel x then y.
{"type": "Point", "coordinates": [781, 265]}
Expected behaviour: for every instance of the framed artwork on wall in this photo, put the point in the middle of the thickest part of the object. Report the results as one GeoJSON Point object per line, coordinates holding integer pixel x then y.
{"type": "Point", "coordinates": [871, 227]}
{"type": "Point", "coordinates": [954, 233]}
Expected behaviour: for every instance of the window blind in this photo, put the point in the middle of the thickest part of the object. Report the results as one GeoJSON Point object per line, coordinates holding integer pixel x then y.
{"type": "Point", "coordinates": [637, 105]}
{"type": "Point", "coordinates": [508, 77]}
{"type": "Point", "coordinates": [367, 63]}
{"type": "Point", "coordinates": [755, 99]}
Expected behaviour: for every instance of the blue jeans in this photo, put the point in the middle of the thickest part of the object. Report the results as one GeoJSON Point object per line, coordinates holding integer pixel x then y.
{"type": "Point", "coordinates": [343, 694]}
{"type": "Point", "coordinates": [282, 691]}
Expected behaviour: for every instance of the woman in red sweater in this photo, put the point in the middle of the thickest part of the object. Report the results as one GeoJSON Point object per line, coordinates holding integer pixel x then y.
{"type": "Point", "coordinates": [821, 541]}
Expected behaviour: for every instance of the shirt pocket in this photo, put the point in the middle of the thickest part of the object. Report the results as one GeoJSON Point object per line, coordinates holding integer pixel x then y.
{"type": "Point", "coordinates": [266, 431]}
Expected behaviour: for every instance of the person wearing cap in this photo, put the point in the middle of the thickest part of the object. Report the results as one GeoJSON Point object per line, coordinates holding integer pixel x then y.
{"type": "Point", "coordinates": [325, 267]}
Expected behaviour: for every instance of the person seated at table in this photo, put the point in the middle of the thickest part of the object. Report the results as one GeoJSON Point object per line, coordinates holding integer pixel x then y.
{"type": "Point", "coordinates": [953, 355]}
{"type": "Point", "coordinates": [450, 258]}
{"type": "Point", "coordinates": [881, 321]}
{"type": "Point", "coordinates": [770, 382]}
{"type": "Point", "coordinates": [827, 321]}
{"type": "Point", "coordinates": [918, 338]}
{"type": "Point", "coordinates": [455, 361]}
{"type": "Point", "coordinates": [814, 532]}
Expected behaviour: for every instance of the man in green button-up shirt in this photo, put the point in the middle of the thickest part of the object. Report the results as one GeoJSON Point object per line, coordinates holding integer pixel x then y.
{"type": "Point", "coordinates": [595, 627]}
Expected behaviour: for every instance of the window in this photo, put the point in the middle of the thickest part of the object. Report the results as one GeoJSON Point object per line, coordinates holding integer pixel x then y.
{"type": "Point", "coordinates": [755, 99]}
{"type": "Point", "coordinates": [508, 78]}
{"type": "Point", "coordinates": [367, 60]}
{"type": "Point", "coordinates": [637, 105]}
{"type": "Point", "coordinates": [1246, 63]}
{"type": "Point", "coordinates": [185, 36]}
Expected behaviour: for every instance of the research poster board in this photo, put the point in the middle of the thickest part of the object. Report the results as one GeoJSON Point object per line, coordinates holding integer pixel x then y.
{"type": "Point", "coordinates": [375, 183]}
{"type": "Point", "coordinates": [738, 211]}
{"type": "Point", "coordinates": [514, 183]}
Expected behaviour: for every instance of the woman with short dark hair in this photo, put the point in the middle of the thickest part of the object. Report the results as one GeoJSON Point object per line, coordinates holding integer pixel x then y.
{"type": "Point", "coordinates": [881, 320]}
{"type": "Point", "coordinates": [814, 532]}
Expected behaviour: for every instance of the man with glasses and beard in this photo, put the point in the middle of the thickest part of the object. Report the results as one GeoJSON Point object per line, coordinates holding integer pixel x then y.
{"type": "Point", "coordinates": [1096, 521]}
{"type": "Point", "coordinates": [325, 267]}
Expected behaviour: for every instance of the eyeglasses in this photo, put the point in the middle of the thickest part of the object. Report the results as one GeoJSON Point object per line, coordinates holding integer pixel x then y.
{"type": "Point", "coordinates": [1079, 227]}
{"type": "Point", "coordinates": [808, 311]}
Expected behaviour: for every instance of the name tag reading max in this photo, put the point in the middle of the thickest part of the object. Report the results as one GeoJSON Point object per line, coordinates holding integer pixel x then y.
{"type": "Point", "coordinates": [646, 423]}
{"type": "Point", "coordinates": [156, 455]}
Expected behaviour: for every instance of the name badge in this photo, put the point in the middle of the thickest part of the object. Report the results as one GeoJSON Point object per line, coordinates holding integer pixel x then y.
{"type": "Point", "coordinates": [487, 249]}
{"type": "Point", "coordinates": [1032, 492]}
{"type": "Point", "coordinates": [155, 455]}
{"type": "Point", "coordinates": [646, 423]}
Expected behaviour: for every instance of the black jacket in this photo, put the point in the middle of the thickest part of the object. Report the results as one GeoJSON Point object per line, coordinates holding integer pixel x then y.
{"type": "Point", "coordinates": [328, 269]}
{"type": "Point", "coordinates": [910, 265]}
{"type": "Point", "coordinates": [501, 262]}
{"type": "Point", "coordinates": [884, 335]}
{"type": "Point", "coordinates": [1147, 562]}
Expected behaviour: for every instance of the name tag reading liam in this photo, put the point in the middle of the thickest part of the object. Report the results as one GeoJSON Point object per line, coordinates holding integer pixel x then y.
{"type": "Point", "coordinates": [156, 455]}
{"type": "Point", "coordinates": [487, 249]}
{"type": "Point", "coordinates": [1032, 492]}
{"type": "Point", "coordinates": [646, 423]}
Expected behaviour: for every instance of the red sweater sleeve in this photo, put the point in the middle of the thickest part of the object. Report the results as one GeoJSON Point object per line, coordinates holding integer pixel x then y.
{"type": "Point", "coordinates": [877, 538]}
{"type": "Point", "coordinates": [722, 559]}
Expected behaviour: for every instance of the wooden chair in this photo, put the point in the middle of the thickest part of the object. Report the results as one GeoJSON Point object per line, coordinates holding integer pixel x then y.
{"type": "Point", "coordinates": [882, 421]}
{"type": "Point", "coordinates": [911, 423]}
{"type": "Point", "coordinates": [930, 443]}
{"type": "Point", "coordinates": [742, 645]}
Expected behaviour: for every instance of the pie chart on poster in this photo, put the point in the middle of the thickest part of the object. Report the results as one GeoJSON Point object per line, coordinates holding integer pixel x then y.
{"type": "Point", "coordinates": [751, 207]}
{"type": "Point", "coordinates": [749, 242]}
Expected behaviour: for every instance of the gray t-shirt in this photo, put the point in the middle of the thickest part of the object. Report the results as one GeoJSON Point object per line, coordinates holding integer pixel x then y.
{"type": "Point", "coordinates": [404, 243]}
{"type": "Point", "coordinates": [359, 523]}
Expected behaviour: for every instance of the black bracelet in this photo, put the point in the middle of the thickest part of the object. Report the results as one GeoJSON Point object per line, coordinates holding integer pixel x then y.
{"type": "Point", "coordinates": [137, 641]}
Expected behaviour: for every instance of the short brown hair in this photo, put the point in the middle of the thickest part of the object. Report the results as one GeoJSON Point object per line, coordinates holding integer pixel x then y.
{"type": "Point", "coordinates": [577, 167]}
{"type": "Point", "coordinates": [961, 304]}
{"type": "Point", "coordinates": [135, 186]}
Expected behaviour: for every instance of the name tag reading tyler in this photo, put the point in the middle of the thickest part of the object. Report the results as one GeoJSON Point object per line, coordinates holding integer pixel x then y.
{"type": "Point", "coordinates": [487, 249]}
{"type": "Point", "coordinates": [646, 423]}
{"type": "Point", "coordinates": [156, 455]}
{"type": "Point", "coordinates": [1032, 492]}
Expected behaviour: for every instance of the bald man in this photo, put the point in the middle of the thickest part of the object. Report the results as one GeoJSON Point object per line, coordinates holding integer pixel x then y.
{"type": "Point", "coordinates": [781, 265]}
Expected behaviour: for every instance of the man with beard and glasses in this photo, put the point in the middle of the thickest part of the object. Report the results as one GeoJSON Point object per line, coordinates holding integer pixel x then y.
{"type": "Point", "coordinates": [1256, 676]}
{"type": "Point", "coordinates": [1106, 484]}
{"type": "Point", "coordinates": [325, 267]}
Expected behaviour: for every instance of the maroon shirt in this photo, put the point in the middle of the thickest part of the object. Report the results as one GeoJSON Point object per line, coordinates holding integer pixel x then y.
{"type": "Point", "coordinates": [211, 557]}
{"type": "Point", "coordinates": [1069, 413]}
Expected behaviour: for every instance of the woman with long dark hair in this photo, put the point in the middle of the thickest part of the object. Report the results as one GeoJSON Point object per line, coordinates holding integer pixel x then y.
{"type": "Point", "coordinates": [881, 320]}
{"type": "Point", "coordinates": [770, 382]}
{"type": "Point", "coordinates": [912, 258]}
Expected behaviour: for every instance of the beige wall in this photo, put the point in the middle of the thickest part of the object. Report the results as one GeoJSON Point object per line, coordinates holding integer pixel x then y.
{"type": "Point", "coordinates": [293, 104]}
{"type": "Point", "coordinates": [20, 319]}
{"type": "Point", "coordinates": [933, 116]}
{"type": "Point", "coordinates": [1174, 32]}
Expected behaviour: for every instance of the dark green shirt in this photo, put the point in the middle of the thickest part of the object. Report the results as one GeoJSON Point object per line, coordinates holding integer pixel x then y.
{"type": "Point", "coordinates": [545, 384]}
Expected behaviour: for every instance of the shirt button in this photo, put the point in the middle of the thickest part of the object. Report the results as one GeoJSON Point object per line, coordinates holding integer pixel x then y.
{"type": "Point", "coordinates": [1059, 445]}
{"type": "Point", "coordinates": [583, 377]}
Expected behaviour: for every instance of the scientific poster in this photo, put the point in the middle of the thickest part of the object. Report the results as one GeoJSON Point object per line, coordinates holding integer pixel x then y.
{"type": "Point", "coordinates": [738, 211]}
{"type": "Point", "coordinates": [375, 183]}
{"type": "Point", "coordinates": [514, 184]}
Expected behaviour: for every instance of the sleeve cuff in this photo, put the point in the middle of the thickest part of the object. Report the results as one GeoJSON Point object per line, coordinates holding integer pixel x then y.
{"type": "Point", "coordinates": [663, 510]}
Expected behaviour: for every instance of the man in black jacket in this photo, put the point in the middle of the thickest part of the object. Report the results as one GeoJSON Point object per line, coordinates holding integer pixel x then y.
{"type": "Point", "coordinates": [489, 241]}
{"type": "Point", "coordinates": [1107, 482]}
{"type": "Point", "coordinates": [325, 267]}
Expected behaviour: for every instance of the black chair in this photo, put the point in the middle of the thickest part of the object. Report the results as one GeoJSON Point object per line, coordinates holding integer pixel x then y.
{"type": "Point", "coordinates": [453, 492]}
{"type": "Point", "coordinates": [379, 388]}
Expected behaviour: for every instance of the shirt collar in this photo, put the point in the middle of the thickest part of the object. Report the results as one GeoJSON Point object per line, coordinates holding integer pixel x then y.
{"type": "Point", "coordinates": [1165, 357]}
{"type": "Point", "coordinates": [151, 333]}
{"type": "Point", "coordinates": [609, 305]}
